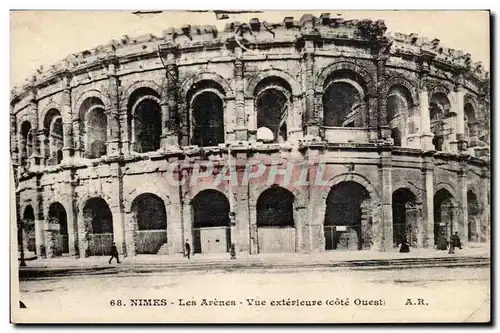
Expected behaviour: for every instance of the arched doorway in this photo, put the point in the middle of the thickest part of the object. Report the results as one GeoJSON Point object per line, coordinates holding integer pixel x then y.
{"type": "Point", "coordinates": [93, 128]}
{"type": "Point", "coordinates": [444, 216]}
{"type": "Point", "coordinates": [58, 230]}
{"type": "Point", "coordinates": [404, 218]}
{"type": "Point", "coordinates": [211, 224]}
{"type": "Point", "coordinates": [275, 221]}
{"type": "Point", "coordinates": [272, 102]}
{"type": "Point", "coordinates": [399, 114]}
{"type": "Point", "coordinates": [145, 120]}
{"type": "Point", "coordinates": [150, 217]}
{"type": "Point", "coordinates": [205, 100]}
{"type": "Point", "coordinates": [439, 109]}
{"type": "Point", "coordinates": [98, 222]}
{"type": "Point", "coordinates": [27, 232]}
{"type": "Point", "coordinates": [347, 224]}
{"type": "Point", "coordinates": [473, 217]}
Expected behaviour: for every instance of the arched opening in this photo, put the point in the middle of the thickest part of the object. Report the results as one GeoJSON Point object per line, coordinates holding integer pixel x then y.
{"type": "Point", "coordinates": [207, 112]}
{"type": "Point", "coordinates": [344, 102]}
{"type": "Point", "coordinates": [347, 225]}
{"type": "Point", "coordinates": [27, 230]}
{"type": "Point", "coordinates": [439, 109]}
{"type": "Point", "coordinates": [26, 142]}
{"type": "Point", "coordinates": [211, 224]}
{"type": "Point", "coordinates": [444, 216]}
{"type": "Point", "coordinates": [399, 115]}
{"type": "Point", "coordinates": [93, 127]}
{"type": "Point", "coordinates": [98, 222]}
{"type": "Point", "coordinates": [58, 229]}
{"type": "Point", "coordinates": [150, 217]}
{"type": "Point", "coordinates": [473, 212]}
{"type": "Point", "coordinates": [145, 115]}
{"type": "Point", "coordinates": [275, 221]}
{"type": "Point", "coordinates": [53, 144]}
{"type": "Point", "coordinates": [404, 217]}
{"type": "Point", "coordinates": [272, 102]}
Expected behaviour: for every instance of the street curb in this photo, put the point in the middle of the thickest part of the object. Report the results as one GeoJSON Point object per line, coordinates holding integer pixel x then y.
{"type": "Point", "coordinates": [28, 273]}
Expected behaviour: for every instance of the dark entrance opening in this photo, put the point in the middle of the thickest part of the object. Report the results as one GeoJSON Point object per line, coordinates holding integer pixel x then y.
{"type": "Point", "coordinates": [211, 224]}
{"type": "Point", "coordinates": [276, 231]}
{"type": "Point", "coordinates": [343, 218]}
{"type": "Point", "coordinates": [151, 218]}
{"type": "Point", "coordinates": [58, 229]}
{"type": "Point", "coordinates": [98, 227]}
{"type": "Point", "coordinates": [443, 217]}
{"type": "Point", "coordinates": [403, 217]}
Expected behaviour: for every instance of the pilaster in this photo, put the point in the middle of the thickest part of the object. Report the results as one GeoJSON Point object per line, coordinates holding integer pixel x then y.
{"type": "Point", "coordinates": [386, 198]}
{"type": "Point", "coordinates": [428, 203]}
{"type": "Point", "coordinates": [239, 68]}
{"type": "Point", "coordinates": [113, 143]}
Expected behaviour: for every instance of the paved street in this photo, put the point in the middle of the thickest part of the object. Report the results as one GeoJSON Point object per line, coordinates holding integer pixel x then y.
{"type": "Point", "coordinates": [459, 293]}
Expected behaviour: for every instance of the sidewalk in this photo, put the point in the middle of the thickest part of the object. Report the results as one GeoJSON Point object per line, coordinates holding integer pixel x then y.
{"type": "Point", "coordinates": [475, 254]}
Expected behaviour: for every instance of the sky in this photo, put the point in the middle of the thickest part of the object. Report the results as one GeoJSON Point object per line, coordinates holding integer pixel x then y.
{"type": "Point", "coordinates": [46, 37]}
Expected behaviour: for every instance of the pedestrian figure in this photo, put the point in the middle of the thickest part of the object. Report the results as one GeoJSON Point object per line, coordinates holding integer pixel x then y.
{"type": "Point", "coordinates": [187, 249]}
{"type": "Point", "coordinates": [455, 239]}
{"type": "Point", "coordinates": [405, 246]}
{"type": "Point", "coordinates": [114, 253]}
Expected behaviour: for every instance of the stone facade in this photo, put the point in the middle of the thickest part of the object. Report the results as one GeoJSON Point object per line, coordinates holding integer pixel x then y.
{"type": "Point", "coordinates": [397, 124]}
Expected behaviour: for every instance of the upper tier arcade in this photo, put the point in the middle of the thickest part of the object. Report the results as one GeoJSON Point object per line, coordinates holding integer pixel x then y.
{"type": "Point", "coordinates": [322, 79]}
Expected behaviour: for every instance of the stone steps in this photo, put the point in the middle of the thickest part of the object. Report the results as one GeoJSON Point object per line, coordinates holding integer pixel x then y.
{"type": "Point", "coordinates": [163, 250]}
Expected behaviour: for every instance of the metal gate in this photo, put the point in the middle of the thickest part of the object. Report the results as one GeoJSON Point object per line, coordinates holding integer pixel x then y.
{"type": "Point", "coordinates": [211, 240]}
{"type": "Point", "coordinates": [100, 244]}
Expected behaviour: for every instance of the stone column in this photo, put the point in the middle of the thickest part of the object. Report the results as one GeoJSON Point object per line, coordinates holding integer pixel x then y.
{"type": "Point", "coordinates": [484, 223]}
{"type": "Point", "coordinates": [386, 199]}
{"type": "Point", "coordinates": [124, 129]}
{"type": "Point", "coordinates": [72, 218]}
{"type": "Point", "coordinates": [459, 110]}
{"type": "Point", "coordinates": [169, 107]}
{"type": "Point", "coordinates": [14, 149]}
{"type": "Point", "coordinates": [113, 143]}
{"type": "Point", "coordinates": [42, 139]}
{"type": "Point", "coordinates": [378, 105]}
{"type": "Point", "coordinates": [68, 144]}
{"type": "Point", "coordinates": [239, 68]}
{"type": "Point", "coordinates": [425, 119]}
{"type": "Point", "coordinates": [312, 118]}
{"type": "Point", "coordinates": [78, 153]}
{"type": "Point", "coordinates": [41, 249]}
{"type": "Point", "coordinates": [428, 203]}
{"type": "Point", "coordinates": [35, 152]}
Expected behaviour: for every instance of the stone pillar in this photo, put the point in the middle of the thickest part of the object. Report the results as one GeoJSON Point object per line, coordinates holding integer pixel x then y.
{"type": "Point", "coordinates": [241, 208]}
{"type": "Point", "coordinates": [14, 149]}
{"type": "Point", "coordinates": [428, 203]}
{"type": "Point", "coordinates": [113, 143]}
{"type": "Point", "coordinates": [42, 139]}
{"type": "Point", "coordinates": [67, 123]}
{"type": "Point", "coordinates": [386, 199]}
{"type": "Point", "coordinates": [425, 118]}
{"type": "Point", "coordinates": [72, 219]}
{"type": "Point", "coordinates": [35, 152]}
{"type": "Point", "coordinates": [239, 68]}
{"type": "Point", "coordinates": [312, 118]}
{"type": "Point", "coordinates": [459, 110]}
{"type": "Point", "coordinates": [463, 220]}
{"type": "Point", "coordinates": [186, 219]}
{"type": "Point", "coordinates": [484, 223]}
{"type": "Point", "coordinates": [174, 228]}
{"type": "Point", "coordinates": [378, 105]}
{"type": "Point", "coordinates": [78, 153]}
{"type": "Point", "coordinates": [416, 217]}
{"type": "Point", "coordinates": [130, 219]}
{"type": "Point", "coordinates": [124, 129]}
{"type": "Point", "coordinates": [41, 248]}
{"type": "Point", "coordinates": [169, 107]}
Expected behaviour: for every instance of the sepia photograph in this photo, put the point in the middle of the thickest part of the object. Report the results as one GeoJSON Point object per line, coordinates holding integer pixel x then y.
{"type": "Point", "coordinates": [250, 166]}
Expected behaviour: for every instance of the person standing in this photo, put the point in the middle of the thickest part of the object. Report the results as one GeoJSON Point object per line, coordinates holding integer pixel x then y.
{"type": "Point", "coordinates": [456, 241]}
{"type": "Point", "coordinates": [114, 253]}
{"type": "Point", "coordinates": [405, 246]}
{"type": "Point", "coordinates": [187, 248]}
